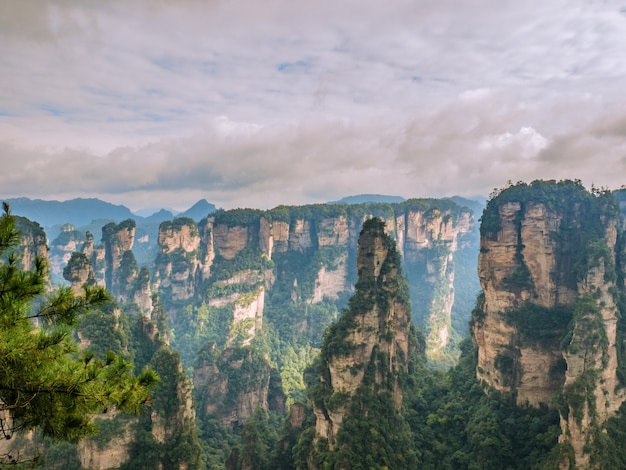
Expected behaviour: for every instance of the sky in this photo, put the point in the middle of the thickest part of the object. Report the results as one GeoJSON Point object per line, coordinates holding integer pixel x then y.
{"type": "Point", "coordinates": [257, 103]}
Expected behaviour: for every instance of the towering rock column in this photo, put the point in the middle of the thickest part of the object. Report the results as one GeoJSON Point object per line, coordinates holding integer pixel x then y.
{"type": "Point", "coordinates": [32, 242]}
{"type": "Point", "coordinates": [79, 272]}
{"type": "Point", "coordinates": [121, 267]}
{"type": "Point", "coordinates": [180, 257]}
{"type": "Point", "coordinates": [366, 351]}
{"type": "Point", "coordinates": [547, 324]}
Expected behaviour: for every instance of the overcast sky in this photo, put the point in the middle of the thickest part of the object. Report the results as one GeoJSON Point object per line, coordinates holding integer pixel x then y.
{"type": "Point", "coordinates": [256, 103]}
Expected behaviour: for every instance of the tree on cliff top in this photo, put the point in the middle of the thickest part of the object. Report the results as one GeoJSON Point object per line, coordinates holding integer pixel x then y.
{"type": "Point", "coordinates": [45, 382]}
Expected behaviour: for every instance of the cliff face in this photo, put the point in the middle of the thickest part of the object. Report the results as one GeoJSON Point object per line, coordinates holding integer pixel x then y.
{"type": "Point", "coordinates": [121, 267]}
{"type": "Point", "coordinates": [79, 272]}
{"type": "Point", "coordinates": [547, 324]}
{"type": "Point", "coordinates": [167, 423]}
{"type": "Point", "coordinates": [232, 384]}
{"type": "Point", "coordinates": [180, 258]}
{"type": "Point", "coordinates": [369, 346]}
{"type": "Point", "coordinates": [321, 242]}
{"type": "Point", "coordinates": [95, 253]}
{"type": "Point", "coordinates": [430, 240]}
{"type": "Point", "coordinates": [61, 248]}
{"type": "Point", "coordinates": [32, 242]}
{"type": "Point", "coordinates": [113, 454]}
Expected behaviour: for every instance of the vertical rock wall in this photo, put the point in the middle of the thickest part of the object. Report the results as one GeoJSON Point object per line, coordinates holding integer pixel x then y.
{"type": "Point", "coordinates": [547, 324]}
{"type": "Point", "coordinates": [118, 242]}
{"type": "Point", "coordinates": [376, 326]}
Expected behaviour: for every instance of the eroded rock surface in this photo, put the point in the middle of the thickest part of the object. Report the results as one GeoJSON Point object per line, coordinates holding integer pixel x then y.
{"type": "Point", "coordinates": [547, 323]}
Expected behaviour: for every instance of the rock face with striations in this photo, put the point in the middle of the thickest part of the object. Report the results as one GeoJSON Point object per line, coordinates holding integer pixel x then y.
{"type": "Point", "coordinates": [121, 267]}
{"type": "Point", "coordinates": [79, 271]}
{"type": "Point", "coordinates": [167, 422]}
{"type": "Point", "coordinates": [32, 242]}
{"type": "Point", "coordinates": [95, 253]}
{"type": "Point", "coordinates": [62, 247]}
{"type": "Point", "coordinates": [232, 384]}
{"type": "Point", "coordinates": [368, 348]}
{"type": "Point", "coordinates": [546, 325]}
{"type": "Point", "coordinates": [184, 258]}
{"type": "Point", "coordinates": [429, 233]}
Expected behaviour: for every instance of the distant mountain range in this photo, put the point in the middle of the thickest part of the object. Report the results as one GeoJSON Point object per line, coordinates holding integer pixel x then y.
{"type": "Point", "coordinates": [368, 199]}
{"type": "Point", "coordinates": [81, 212]}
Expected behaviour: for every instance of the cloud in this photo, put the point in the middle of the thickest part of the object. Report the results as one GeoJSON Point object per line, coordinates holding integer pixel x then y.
{"type": "Point", "coordinates": [527, 142]}
{"type": "Point", "coordinates": [227, 161]}
{"type": "Point", "coordinates": [262, 103]}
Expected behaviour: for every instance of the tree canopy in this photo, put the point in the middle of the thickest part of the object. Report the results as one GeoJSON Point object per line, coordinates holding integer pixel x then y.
{"type": "Point", "coordinates": [46, 382]}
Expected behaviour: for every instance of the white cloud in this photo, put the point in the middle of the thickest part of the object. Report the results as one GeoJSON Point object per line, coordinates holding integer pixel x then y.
{"type": "Point", "coordinates": [476, 94]}
{"type": "Point", "coordinates": [527, 143]}
{"type": "Point", "coordinates": [260, 103]}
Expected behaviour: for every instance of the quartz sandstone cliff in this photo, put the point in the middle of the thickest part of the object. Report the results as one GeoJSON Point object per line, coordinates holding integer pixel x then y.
{"type": "Point", "coordinates": [121, 267]}
{"type": "Point", "coordinates": [32, 243]}
{"type": "Point", "coordinates": [371, 338]}
{"type": "Point", "coordinates": [78, 272]}
{"type": "Point", "coordinates": [428, 234]}
{"type": "Point", "coordinates": [180, 266]}
{"type": "Point", "coordinates": [547, 324]}
{"type": "Point", "coordinates": [230, 385]}
{"type": "Point", "coordinates": [166, 422]}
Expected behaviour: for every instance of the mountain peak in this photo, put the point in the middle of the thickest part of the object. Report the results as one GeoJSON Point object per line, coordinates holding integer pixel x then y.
{"type": "Point", "coordinates": [199, 210]}
{"type": "Point", "coordinates": [369, 198]}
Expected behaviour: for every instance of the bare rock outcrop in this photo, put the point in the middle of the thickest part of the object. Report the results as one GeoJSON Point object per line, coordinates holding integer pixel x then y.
{"type": "Point", "coordinates": [118, 242]}
{"type": "Point", "coordinates": [95, 253]}
{"type": "Point", "coordinates": [95, 455]}
{"type": "Point", "coordinates": [180, 264]}
{"type": "Point", "coordinates": [32, 243]}
{"type": "Point", "coordinates": [62, 247]}
{"type": "Point", "coordinates": [371, 337]}
{"type": "Point", "coordinates": [429, 238]}
{"type": "Point", "coordinates": [546, 325]}
{"type": "Point", "coordinates": [142, 292]}
{"type": "Point", "coordinates": [79, 272]}
{"type": "Point", "coordinates": [330, 282]}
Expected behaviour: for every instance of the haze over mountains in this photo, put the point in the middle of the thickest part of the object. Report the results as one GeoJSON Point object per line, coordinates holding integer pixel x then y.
{"type": "Point", "coordinates": [82, 211]}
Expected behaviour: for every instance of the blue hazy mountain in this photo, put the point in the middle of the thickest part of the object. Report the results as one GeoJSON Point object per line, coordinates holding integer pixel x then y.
{"type": "Point", "coordinates": [198, 211]}
{"type": "Point", "coordinates": [369, 198]}
{"type": "Point", "coordinates": [159, 216]}
{"type": "Point", "coordinates": [81, 212]}
{"type": "Point", "coordinates": [77, 212]}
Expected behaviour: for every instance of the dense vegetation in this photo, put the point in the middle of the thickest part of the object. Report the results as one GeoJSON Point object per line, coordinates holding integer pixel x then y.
{"type": "Point", "coordinates": [45, 383]}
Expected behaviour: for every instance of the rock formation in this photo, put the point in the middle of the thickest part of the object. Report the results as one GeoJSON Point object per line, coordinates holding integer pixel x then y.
{"type": "Point", "coordinates": [179, 261]}
{"type": "Point", "coordinates": [142, 295]}
{"type": "Point", "coordinates": [62, 247]}
{"type": "Point", "coordinates": [312, 250]}
{"type": "Point", "coordinates": [368, 348]}
{"type": "Point", "coordinates": [96, 255]}
{"type": "Point", "coordinates": [547, 323]}
{"type": "Point", "coordinates": [166, 425]}
{"type": "Point", "coordinates": [121, 267]}
{"type": "Point", "coordinates": [113, 454]}
{"type": "Point", "coordinates": [429, 239]}
{"type": "Point", "coordinates": [32, 242]}
{"type": "Point", "coordinates": [232, 384]}
{"type": "Point", "coordinates": [429, 233]}
{"type": "Point", "coordinates": [79, 272]}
